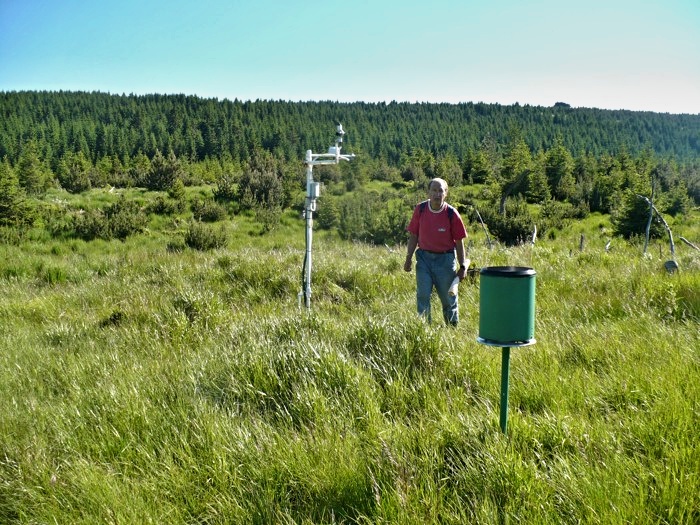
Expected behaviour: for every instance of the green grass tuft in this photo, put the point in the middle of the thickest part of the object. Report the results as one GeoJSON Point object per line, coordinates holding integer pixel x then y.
{"type": "Point", "coordinates": [141, 383]}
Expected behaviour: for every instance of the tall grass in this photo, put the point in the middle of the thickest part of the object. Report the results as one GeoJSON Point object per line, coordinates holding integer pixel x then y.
{"type": "Point", "coordinates": [141, 385]}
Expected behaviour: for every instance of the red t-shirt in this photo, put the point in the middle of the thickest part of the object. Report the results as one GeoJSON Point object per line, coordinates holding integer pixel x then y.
{"type": "Point", "coordinates": [435, 230]}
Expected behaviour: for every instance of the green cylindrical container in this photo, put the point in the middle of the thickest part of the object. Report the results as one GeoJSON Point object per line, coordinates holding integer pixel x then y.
{"type": "Point", "coordinates": [507, 305]}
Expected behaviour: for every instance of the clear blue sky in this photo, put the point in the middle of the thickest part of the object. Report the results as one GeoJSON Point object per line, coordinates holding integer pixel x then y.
{"type": "Point", "coordinates": [611, 54]}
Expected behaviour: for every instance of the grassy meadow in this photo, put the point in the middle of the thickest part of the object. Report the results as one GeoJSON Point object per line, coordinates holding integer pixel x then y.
{"type": "Point", "coordinates": [140, 384]}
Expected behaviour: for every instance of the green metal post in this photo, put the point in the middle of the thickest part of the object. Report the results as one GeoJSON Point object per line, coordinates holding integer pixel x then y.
{"type": "Point", "coordinates": [505, 373]}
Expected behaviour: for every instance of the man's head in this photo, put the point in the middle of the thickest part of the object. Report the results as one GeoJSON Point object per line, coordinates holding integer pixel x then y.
{"type": "Point", "coordinates": [437, 192]}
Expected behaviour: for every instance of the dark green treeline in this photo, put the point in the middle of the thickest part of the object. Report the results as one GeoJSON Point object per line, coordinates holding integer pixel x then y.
{"type": "Point", "coordinates": [122, 126]}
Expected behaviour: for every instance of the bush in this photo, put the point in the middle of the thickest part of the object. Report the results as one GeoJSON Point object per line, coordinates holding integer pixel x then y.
{"type": "Point", "coordinates": [631, 217]}
{"type": "Point", "coordinates": [374, 218]}
{"type": "Point", "coordinates": [226, 188]}
{"type": "Point", "coordinates": [177, 191]}
{"type": "Point", "coordinates": [89, 225]}
{"type": "Point", "coordinates": [125, 218]}
{"type": "Point", "coordinates": [327, 214]}
{"type": "Point", "coordinates": [163, 172]}
{"type": "Point", "coordinates": [204, 237]}
{"type": "Point", "coordinates": [262, 187]}
{"type": "Point", "coordinates": [513, 228]}
{"type": "Point", "coordinates": [208, 211]}
{"type": "Point", "coordinates": [556, 214]}
{"type": "Point", "coordinates": [268, 216]}
{"type": "Point", "coordinates": [74, 172]}
{"type": "Point", "coordinates": [164, 206]}
{"type": "Point", "coordinates": [121, 219]}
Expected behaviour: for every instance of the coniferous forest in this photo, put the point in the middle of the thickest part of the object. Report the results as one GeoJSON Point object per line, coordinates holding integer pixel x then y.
{"type": "Point", "coordinates": [101, 125]}
{"type": "Point", "coordinates": [572, 161]}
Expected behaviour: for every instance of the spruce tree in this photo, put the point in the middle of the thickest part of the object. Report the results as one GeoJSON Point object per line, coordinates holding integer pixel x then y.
{"type": "Point", "coordinates": [559, 170]}
{"type": "Point", "coordinates": [74, 172]}
{"type": "Point", "coordinates": [31, 173]}
{"type": "Point", "coordinates": [537, 186]}
{"type": "Point", "coordinates": [163, 172]}
{"type": "Point", "coordinates": [15, 209]}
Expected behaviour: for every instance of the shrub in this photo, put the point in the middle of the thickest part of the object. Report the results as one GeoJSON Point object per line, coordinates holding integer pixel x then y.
{"type": "Point", "coordinates": [327, 215]}
{"type": "Point", "coordinates": [204, 237]}
{"type": "Point", "coordinates": [90, 224]}
{"type": "Point", "coordinates": [125, 218]}
{"type": "Point", "coordinates": [121, 219]}
{"type": "Point", "coordinates": [268, 216]}
{"type": "Point", "coordinates": [631, 217]}
{"type": "Point", "coordinates": [164, 206]}
{"type": "Point", "coordinates": [11, 235]}
{"type": "Point", "coordinates": [556, 214]}
{"type": "Point", "coordinates": [512, 228]}
{"type": "Point", "coordinates": [262, 185]}
{"type": "Point", "coordinates": [226, 188]}
{"type": "Point", "coordinates": [208, 210]}
{"type": "Point", "coordinates": [374, 218]}
{"type": "Point", "coordinates": [163, 172]}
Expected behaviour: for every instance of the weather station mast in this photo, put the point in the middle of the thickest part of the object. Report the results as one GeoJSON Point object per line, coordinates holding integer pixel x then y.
{"type": "Point", "coordinates": [313, 192]}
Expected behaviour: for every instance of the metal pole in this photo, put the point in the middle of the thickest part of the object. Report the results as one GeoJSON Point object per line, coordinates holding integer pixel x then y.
{"type": "Point", "coordinates": [505, 372]}
{"type": "Point", "coordinates": [313, 191]}
{"type": "Point", "coordinates": [310, 208]}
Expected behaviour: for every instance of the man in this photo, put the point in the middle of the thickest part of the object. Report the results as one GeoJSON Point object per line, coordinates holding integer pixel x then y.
{"type": "Point", "coordinates": [438, 232]}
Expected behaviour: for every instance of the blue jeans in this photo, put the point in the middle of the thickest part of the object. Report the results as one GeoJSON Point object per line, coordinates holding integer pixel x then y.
{"type": "Point", "coordinates": [436, 270]}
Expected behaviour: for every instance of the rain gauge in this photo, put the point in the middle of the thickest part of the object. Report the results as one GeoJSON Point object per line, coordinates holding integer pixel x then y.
{"type": "Point", "coordinates": [506, 316]}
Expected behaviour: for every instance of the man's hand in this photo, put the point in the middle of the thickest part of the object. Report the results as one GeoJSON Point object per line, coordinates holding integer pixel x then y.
{"type": "Point", "coordinates": [461, 273]}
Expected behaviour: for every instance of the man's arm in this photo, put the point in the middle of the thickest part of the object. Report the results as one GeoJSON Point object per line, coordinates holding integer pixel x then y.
{"type": "Point", "coordinates": [463, 263]}
{"type": "Point", "coordinates": [410, 249]}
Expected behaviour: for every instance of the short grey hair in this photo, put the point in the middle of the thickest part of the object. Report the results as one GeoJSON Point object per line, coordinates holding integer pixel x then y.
{"type": "Point", "coordinates": [440, 181]}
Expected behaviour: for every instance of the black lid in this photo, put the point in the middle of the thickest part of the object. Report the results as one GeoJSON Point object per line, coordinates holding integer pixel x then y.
{"type": "Point", "coordinates": [508, 271]}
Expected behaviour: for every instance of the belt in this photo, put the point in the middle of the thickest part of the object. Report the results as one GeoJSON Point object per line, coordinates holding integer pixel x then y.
{"type": "Point", "coordinates": [439, 253]}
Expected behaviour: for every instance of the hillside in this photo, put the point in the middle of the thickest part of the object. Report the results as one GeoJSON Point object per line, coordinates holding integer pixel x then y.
{"type": "Point", "coordinates": [101, 124]}
{"type": "Point", "coordinates": [563, 163]}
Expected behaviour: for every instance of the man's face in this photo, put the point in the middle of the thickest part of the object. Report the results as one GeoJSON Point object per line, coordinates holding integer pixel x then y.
{"type": "Point", "coordinates": [436, 194]}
